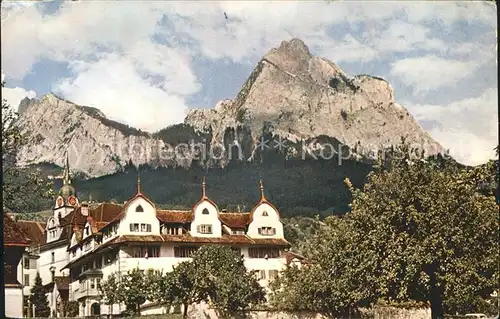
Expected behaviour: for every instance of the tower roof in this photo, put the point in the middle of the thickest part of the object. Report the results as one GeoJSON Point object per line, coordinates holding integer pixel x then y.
{"type": "Point", "coordinates": [67, 189]}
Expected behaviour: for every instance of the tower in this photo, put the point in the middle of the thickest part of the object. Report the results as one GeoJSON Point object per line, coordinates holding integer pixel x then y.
{"type": "Point", "coordinates": [66, 199]}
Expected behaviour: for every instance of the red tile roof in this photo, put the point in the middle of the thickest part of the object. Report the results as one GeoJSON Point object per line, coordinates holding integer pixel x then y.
{"type": "Point", "coordinates": [175, 216]}
{"type": "Point", "coordinates": [34, 230]}
{"type": "Point", "coordinates": [13, 234]}
{"type": "Point", "coordinates": [235, 220]}
{"type": "Point", "coordinates": [291, 256]}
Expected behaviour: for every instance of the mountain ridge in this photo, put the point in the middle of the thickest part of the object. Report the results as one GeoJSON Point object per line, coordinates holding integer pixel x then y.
{"type": "Point", "coordinates": [290, 95]}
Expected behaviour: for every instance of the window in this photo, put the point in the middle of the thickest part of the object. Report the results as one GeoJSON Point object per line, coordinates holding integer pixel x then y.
{"type": "Point", "coordinates": [263, 252]}
{"type": "Point", "coordinates": [146, 252]}
{"type": "Point", "coordinates": [173, 231]}
{"type": "Point", "coordinates": [26, 262]}
{"type": "Point", "coordinates": [238, 232]}
{"type": "Point", "coordinates": [138, 252]}
{"type": "Point", "coordinates": [98, 280]}
{"type": "Point", "coordinates": [145, 227]}
{"type": "Point", "coordinates": [73, 253]}
{"type": "Point", "coordinates": [273, 274]}
{"type": "Point", "coordinates": [52, 257]}
{"type": "Point", "coordinates": [98, 263]}
{"type": "Point", "coordinates": [205, 211]}
{"type": "Point", "coordinates": [83, 286]}
{"type": "Point", "coordinates": [267, 231]}
{"type": "Point", "coordinates": [265, 213]}
{"type": "Point", "coordinates": [139, 209]}
{"type": "Point", "coordinates": [204, 229]}
{"type": "Point", "coordinates": [236, 249]}
{"type": "Point", "coordinates": [185, 251]}
{"type": "Point", "coordinates": [52, 274]}
{"type": "Point", "coordinates": [261, 274]}
{"type": "Point", "coordinates": [153, 251]}
{"type": "Point", "coordinates": [87, 230]}
{"type": "Point", "coordinates": [26, 279]}
{"type": "Point", "coordinates": [88, 245]}
{"type": "Point", "coordinates": [134, 227]}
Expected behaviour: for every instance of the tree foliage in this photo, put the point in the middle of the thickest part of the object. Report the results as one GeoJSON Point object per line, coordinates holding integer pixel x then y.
{"type": "Point", "coordinates": [110, 290]}
{"type": "Point", "coordinates": [228, 284]}
{"type": "Point", "coordinates": [216, 275]}
{"type": "Point", "coordinates": [133, 291]}
{"type": "Point", "coordinates": [39, 299]}
{"type": "Point", "coordinates": [422, 231]}
{"type": "Point", "coordinates": [20, 188]}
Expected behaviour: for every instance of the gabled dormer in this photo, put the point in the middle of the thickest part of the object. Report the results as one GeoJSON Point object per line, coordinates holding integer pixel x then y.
{"type": "Point", "coordinates": [205, 221]}
{"type": "Point", "coordinates": [139, 216]}
{"type": "Point", "coordinates": [52, 230]}
{"type": "Point", "coordinates": [265, 219]}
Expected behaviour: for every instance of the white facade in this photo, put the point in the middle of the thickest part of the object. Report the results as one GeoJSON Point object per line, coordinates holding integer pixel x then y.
{"type": "Point", "coordinates": [51, 261]}
{"type": "Point", "coordinates": [14, 302]}
{"type": "Point", "coordinates": [141, 236]}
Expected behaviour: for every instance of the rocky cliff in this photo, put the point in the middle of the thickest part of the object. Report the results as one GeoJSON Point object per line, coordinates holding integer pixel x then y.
{"type": "Point", "coordinates": [290, 95]}
{"type": "Point", "coordinates": [297, 96]}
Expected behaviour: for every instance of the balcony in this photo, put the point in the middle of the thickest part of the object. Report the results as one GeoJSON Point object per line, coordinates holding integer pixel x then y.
{"type": "Point", "coordinates": [84, 293]}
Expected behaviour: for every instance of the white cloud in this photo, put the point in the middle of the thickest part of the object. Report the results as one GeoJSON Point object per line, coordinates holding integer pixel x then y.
{"type": "Point", "coordinates": [13, 96]}
{"type": "Point", "coordinates": [469, 128]}
{"type": "Point", "coordinates": [142, 83]}
{"type": "Point", "coordinates": [113, 85]}
{"type": "Point", "coordinates": [429, 73]}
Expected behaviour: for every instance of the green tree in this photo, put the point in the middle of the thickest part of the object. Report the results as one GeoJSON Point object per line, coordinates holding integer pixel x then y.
{"type": "Point", "coordinates": [20, 187]}
{"type": "Point", "coordinates": [420, 232]}
{"type": "Point", "coordinates": [183, 286]}
{"type": "Point", "coordinates": [71, 309]}
{"type": "Point", "coordinates": [230, 287]}
{"type": "Point", "coordinates": [155, 285]}
{"type": "Point", "coordinates": [110, 290]}
{"type": "Point", "coordinates": [39, 299]}
{"type": "Point", "coordinates": [133, 290]}
{"type": "Point", "coordinates": [337, 281]}
{"type": "Point", "coordinates": [433, 233]}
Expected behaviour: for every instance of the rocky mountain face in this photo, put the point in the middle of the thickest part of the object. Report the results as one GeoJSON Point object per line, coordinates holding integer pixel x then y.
{"type": "Point", "coordinates": [292, 102]}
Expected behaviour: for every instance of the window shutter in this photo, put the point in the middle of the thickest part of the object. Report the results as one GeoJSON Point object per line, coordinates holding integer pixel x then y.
{"type": "Point", "coordinates": [198, 228]}
{"type": "Point", "coordinates": [149, 228]}
{"type": "Point", "coordinates": [260, 231]}
{"type": "Point", "coordinates": [274, 231]}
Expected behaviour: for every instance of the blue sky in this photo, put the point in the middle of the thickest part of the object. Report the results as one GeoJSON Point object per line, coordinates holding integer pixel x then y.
{"type": "Point", "coordinates": [147, 63]}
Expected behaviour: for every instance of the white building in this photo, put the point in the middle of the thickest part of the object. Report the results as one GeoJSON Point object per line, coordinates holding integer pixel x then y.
{"type": "Point", "coordinates": [15, 241]}
{"type": "Point", "coordinates": [84, 245]}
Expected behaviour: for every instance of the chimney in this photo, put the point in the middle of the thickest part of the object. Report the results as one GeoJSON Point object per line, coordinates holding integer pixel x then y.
{"type": "Point", "coordinates": [85, 209]}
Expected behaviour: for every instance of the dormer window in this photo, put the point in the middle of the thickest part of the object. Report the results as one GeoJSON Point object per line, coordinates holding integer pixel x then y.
{"type": "Point", "coordinates": [139, 209]}
{"type": "Point", "coordinates": [204, 229]}
{"type": "Point", "coordinates": [267, 231]}
{"type": "Point", "coordinates": [205, 212]}
{"type": "Point", "coordinates": [265, 213]}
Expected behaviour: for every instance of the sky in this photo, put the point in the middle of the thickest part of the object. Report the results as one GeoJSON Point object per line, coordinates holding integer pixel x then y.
{"type": "Point", "coordinates": [146, 63]}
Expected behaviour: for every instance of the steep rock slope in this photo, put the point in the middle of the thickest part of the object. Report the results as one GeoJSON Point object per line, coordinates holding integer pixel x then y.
{"type": "Point", "coordinates": [298, 96]}
{"type": "Point", "coordinates": [291, 94]}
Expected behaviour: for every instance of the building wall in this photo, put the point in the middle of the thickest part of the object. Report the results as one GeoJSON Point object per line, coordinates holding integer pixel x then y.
{"type": "Point", "coordinates": [29, 272]}
{"type": "Point", "coordinates": [206, 219]}
{"type": "Point", "coordinates": [13, 302]}
{"type": "Point", "coordinates": [61, 258]}
{"type": "Point", "coordinates": [260, 220]}
{"type": "Point", "coordinates": [148, 216]}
